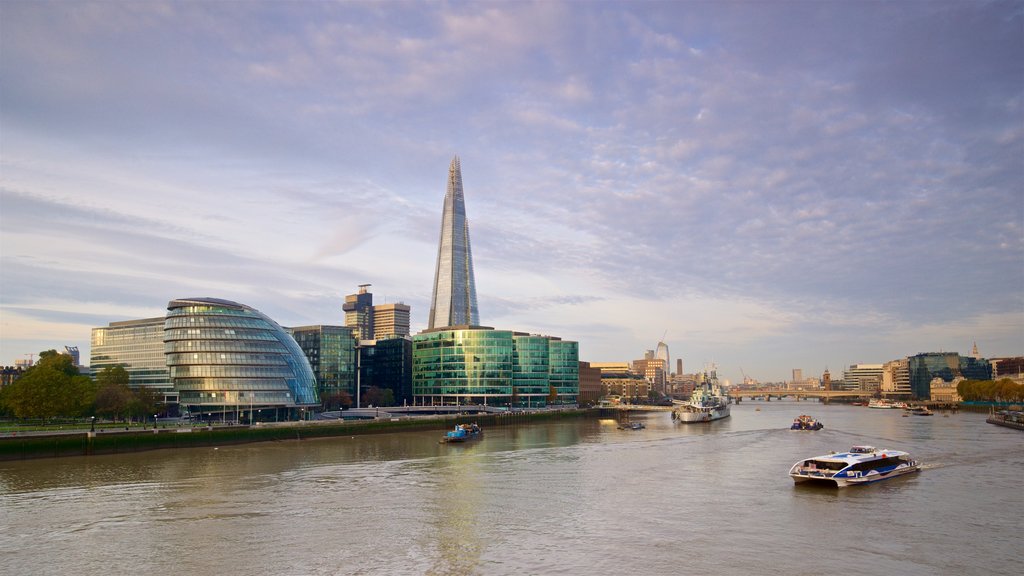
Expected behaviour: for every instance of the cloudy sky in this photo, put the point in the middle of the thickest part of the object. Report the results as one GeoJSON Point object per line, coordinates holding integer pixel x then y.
{"type": "Point", "coordinates": [770, 185]}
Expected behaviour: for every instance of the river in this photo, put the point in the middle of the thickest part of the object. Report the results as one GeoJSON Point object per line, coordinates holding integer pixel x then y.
{"type": "Point", "coordinates": [567, 497]}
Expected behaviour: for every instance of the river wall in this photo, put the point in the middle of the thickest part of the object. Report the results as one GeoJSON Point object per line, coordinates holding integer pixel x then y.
{"type": "Point", "coordinates": [85, 443]}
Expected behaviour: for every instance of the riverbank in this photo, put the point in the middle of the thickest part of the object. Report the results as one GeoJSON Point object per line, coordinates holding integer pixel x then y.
{"type": "Point", "coordinates": [78, 443]}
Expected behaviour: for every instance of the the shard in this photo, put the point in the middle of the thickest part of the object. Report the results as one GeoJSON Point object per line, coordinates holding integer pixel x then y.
{"type": "Point", "coordinates": [454, 299]}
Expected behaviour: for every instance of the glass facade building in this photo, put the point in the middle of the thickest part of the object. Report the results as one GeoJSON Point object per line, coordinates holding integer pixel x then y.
{"type": "Point", "coordinates": [925, 367]}
{"type": "Point", "coordinates": [479, 365]}
{"type": "Point", "coordinates": [227, 357]}
{"type": "Point", "coordinates": [388, 366]}
{"type": "Point", "coordinates": [454, 299]}
{"type": "Point", "coordinates": [138, 346]}
{"type": "Point", "coordinates": [331, 352]}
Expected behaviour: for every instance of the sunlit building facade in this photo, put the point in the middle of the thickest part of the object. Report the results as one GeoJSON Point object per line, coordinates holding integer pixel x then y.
{"type": "Point", "coordinates": [454, 298]}
{"type": "Point", "coordinates": [227, 358]}
{"type": "Point", "coordinates": [138, 346]}
{"type": "Point", "coordinates": [480, 365]}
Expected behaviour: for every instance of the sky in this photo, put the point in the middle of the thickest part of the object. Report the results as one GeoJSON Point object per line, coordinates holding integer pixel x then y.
{"type": "Point", "coordinates": [765, 185]}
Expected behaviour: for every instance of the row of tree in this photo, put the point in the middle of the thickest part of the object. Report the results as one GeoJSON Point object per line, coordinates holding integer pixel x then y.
{"type": "Point", "coordinates": [53, 388]}
{"type": "Point", "coordinates": [1004, 390]}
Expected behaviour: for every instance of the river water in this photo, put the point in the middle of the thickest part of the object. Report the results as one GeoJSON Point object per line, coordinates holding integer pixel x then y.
{"type": "Point", "coordinates": [571, 497]}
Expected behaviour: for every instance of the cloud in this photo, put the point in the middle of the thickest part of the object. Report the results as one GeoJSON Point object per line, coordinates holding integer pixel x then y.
{"type": "Point", "coordinates": [833, 170]}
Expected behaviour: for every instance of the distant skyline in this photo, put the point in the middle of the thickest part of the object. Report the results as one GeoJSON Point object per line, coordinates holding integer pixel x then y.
{"type": "Point", "coordinates": [778, 185]}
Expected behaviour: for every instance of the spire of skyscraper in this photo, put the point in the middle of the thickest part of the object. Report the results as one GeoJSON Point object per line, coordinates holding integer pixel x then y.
{"type": "Point", "coordinates": [454, 299]}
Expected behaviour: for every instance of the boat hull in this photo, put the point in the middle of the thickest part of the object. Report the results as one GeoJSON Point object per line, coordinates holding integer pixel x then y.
{"type": "Point", "coordinates": [870, 478]}
{"type": "Point", "coordinates": [711, 415]}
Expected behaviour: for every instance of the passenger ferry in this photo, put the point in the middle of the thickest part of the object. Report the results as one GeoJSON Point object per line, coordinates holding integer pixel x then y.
{"type": "Point", "coordinates": [861, 465]}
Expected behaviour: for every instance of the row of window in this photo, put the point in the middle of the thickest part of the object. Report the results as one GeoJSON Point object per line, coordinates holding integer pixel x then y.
{"type": "Point", "coordinates": [231, 384]}
{"type": "Point", "coordinates": [231, 372]}
{"type": "Point", "coordinates": [217, 334]}
{"type": "Point", "coordinates": [224, 346]}
{"type": "Point", "coordinates": [193, 321]}
{"type": "Point", "coordinates": [246, 359]}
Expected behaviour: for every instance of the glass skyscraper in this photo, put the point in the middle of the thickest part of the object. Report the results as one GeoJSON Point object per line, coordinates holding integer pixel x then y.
{"type": "Point", "coordinates": [454, 299]}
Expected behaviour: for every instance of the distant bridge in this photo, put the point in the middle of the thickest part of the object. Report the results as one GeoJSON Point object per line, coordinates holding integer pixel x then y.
{"type": "Point", "coordinates": [768, 393]}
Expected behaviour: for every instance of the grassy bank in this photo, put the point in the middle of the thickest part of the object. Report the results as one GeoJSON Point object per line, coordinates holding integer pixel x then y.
{"type": "Point", "coordinates": [114, 442]}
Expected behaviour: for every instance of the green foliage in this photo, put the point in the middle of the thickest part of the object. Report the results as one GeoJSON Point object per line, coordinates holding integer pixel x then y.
{"type": "Point", "coordinates": [1004, 390]}
{"type": "Point", "coordinates": [49, 389]}
{"type": "Point", "coordinates": [113, 399]}
{"type": "Point", "coordinates": [379, 397]}
{"type": "Point", "coordinates": [112, 375]}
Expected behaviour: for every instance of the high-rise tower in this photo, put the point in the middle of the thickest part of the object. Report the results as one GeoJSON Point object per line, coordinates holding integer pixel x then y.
{"type": "Point", "coordinates": [454, 299]}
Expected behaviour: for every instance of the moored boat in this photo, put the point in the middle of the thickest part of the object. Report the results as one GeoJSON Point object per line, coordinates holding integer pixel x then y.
{"type": "Point", "coordinates": [805, 422]}
{"type": "Point", "coordinates": [1008, 418]}
{"type": "Point", "coordinates": [707, 403]}
{"type": "Point", "coordinates": [861, 465]}
{"type": "Point", "coordinates": [462, 433]}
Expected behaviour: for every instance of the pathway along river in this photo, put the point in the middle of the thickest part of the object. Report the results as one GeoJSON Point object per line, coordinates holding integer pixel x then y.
{"type": "Point", "coordinates": [571, 497]}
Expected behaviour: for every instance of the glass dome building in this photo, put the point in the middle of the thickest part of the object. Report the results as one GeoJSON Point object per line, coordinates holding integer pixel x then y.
{"type": "Point", "coordinates": [230, 360]}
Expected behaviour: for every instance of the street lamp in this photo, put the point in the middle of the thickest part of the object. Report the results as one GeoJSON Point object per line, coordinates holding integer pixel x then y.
{"type": "Point", "coordinates": [93, 429]}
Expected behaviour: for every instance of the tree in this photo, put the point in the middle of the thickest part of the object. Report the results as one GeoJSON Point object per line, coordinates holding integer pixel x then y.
{"type": "Point", "coordinates": [380, 396]}
{"type": "Point", "coordinates": [113, 398]}
{"type": "Point", "coordinates": [145, 402]}
{"type": "Point", "coordinates": [51, 388]}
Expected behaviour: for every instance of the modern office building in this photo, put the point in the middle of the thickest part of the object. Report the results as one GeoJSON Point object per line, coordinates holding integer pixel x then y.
{"type": "Point", "coordinates": [387, 364]}
{"type": "Point", "coordinates": [390, 320]}
{"type": "Point", "coordinates": [925, 367]}
{"type": "Point", "coordinates": [229, 361]}
{"type": "Point", "coordinates": [653, 369]}
{"type": "Point", "coordinates": [373, 322]}
{"type": "Point", "coordinates": [863, 377]}
{"type": "Point", "coordinates": [331, 352]}
{"type": "Point", "coordinates": [590, 384]}
{"type": "Point", "coordinates": [481, 365]}
{"type": "Point", "coordinates": [138, 346]}
{"type": "Point", "coordinates": [896, 378]}
{"type": "Point", "coordinates": [358, 310]}
{"type": "Point", "coordinates": [662, 354]}
{"type": "Point", "coordinates": [454, 298]}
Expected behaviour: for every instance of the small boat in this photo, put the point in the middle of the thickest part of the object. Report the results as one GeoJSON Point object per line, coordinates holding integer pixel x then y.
{"type": "Point", "coordinates": [861, 465]}
{"type": "Point", "coordinates": [462, 433]}
{"type": "Point", "coordinates": [805, 422]}
{"type": "Point", "coordinates": [920, 411]}
{"type": "Point", "coordinates": [632, 426]}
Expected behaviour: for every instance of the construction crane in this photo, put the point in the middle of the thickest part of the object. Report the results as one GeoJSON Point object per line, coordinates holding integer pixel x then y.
{"type": "Point", "coordinates": [747, 380]}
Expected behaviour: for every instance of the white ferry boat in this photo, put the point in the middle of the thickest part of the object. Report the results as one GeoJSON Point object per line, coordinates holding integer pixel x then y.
{"type": "Point", "coordinates": [861, 465]}
{"type": "Point", "coordinates": [707, 403]}
{"type": "Point", "coordinates": [883, 403]}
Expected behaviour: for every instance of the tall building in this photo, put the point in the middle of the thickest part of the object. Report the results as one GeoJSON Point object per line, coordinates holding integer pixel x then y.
{"type": "Point", "coordinates": [137, 346]}
{"type": "Point", "coordinates": [662, 354]}
{"type": "Point", "coordinates": [228, 360]}
{"type": "Point", "coordinates": [331, 351]}
{"type": "Point", "coordinates": [390, 320]}
{"type": "Point", "coordinates": [358, 310]}
{"type": "Point", "coordinates": [370, 322]}
{"type": "Point", "coordinates": [454, 299]}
